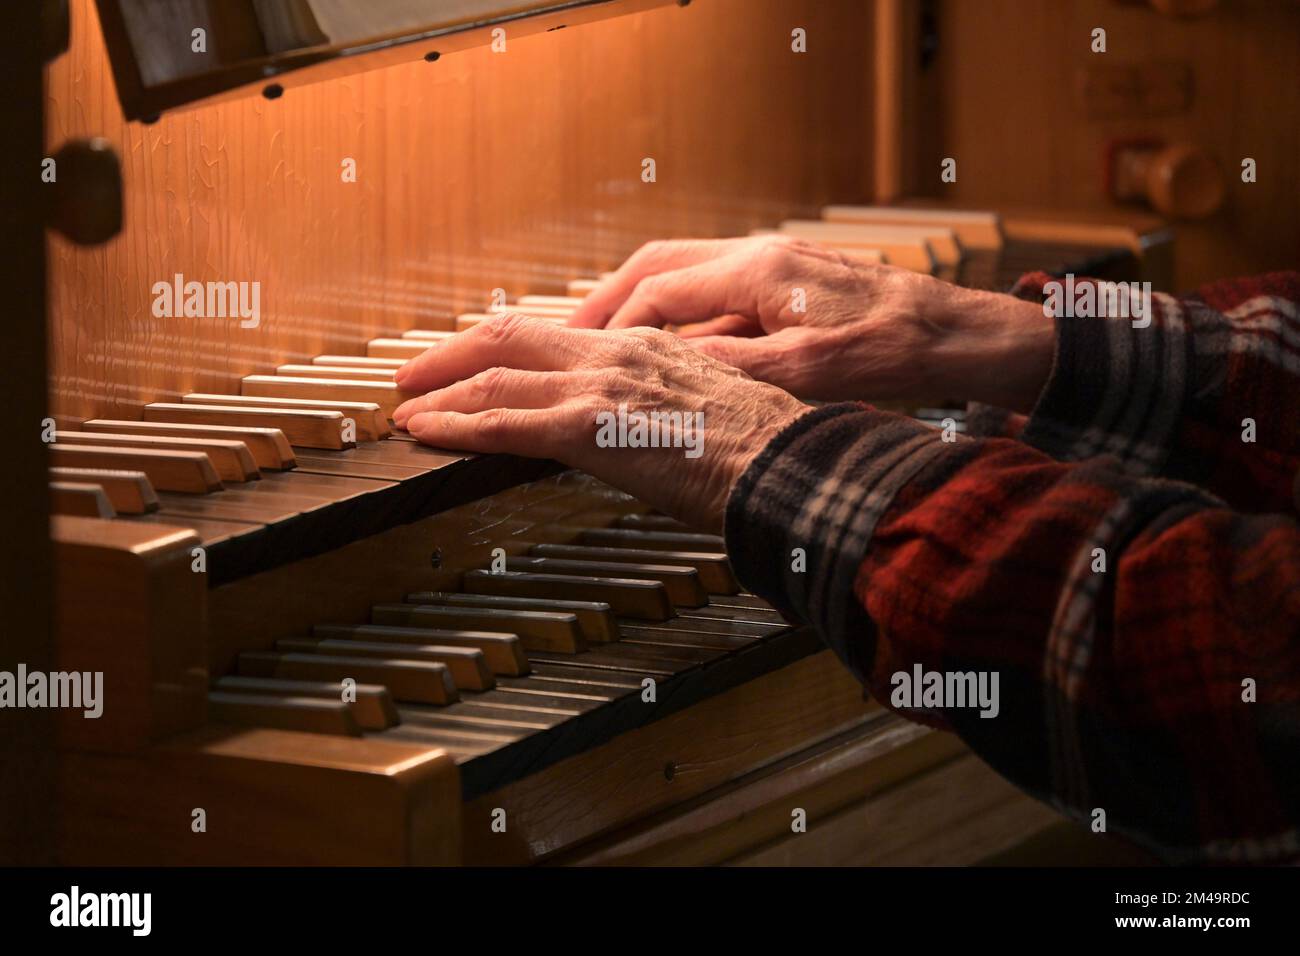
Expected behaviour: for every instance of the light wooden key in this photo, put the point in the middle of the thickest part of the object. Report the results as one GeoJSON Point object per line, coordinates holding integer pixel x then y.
{"type": "Point", "coordinates": [628, 597]}
{"type": "Point", "coordinates": [976, 229]}
{"type": "Point", "coordinates": [231, 459]}
{"type": "Point", "coordinates": [581, 288]}
{"type": "Point", "coordinates": [468, 664]}
{"type": "Point", "coordinates": [308, 714]}
{"type": "Point", "coordinates": [187, 471]}
{"type": "Point", "coordinates": [421, 682]}
{"type": "Point", "coordinates": [427, 335]}
{"type": "Point", "coordinates": [309, 428]}
{"type": "Point", "coordinates": [355, 372]}
{"type": "Point", "coordinates": [947, 248]}
{"type": "Point", "coordinates": [595, 618]}
{"type": "Point", "coordinates": [569, 302]}
{"type": "Point", "coordinates": [79, 498]}
{"type": "Point", "coordinates": [129, 491]}
{"type": "Point", "coordinates": [373, 708]}
{"type": "Point", "coordinates": [384, 394]}
{"type": "Point", "coordinates": [268, 446]}
{"type": "Point", "coordinates": [539, 630]}
{"type": "Point", "coordinates": [396, 348]}
{"type": "Point", "coordinates": [504, 653]}
{"type": "Point", "coordinates": [371, 422]}
{"type": "Point", "coordinates": [712, 566]}
{"type": "Point", "coordinates": [359, 361]}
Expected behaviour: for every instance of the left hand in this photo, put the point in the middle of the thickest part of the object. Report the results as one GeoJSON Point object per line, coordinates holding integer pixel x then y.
{"type": "Point", "coordinates": [530, 387]}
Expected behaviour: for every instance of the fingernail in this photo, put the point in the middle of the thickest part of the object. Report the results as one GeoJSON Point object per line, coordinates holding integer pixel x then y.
{"type": "Point", "coordinates": [400, 375]}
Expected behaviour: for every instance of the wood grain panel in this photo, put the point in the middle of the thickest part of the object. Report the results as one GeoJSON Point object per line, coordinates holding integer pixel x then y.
{"type": "Point", "coordinates": [518, 170]}
{"type": "Point", "coordinates": [1021, 143]}
{"type": "Point", "coordinates": [672, 760]}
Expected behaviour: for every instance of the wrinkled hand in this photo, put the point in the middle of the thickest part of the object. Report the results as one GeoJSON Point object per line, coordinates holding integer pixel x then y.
{"type": "Point", "coordinates": [531, 387]}
{"type": "Point", "coordinates": [866, 331]}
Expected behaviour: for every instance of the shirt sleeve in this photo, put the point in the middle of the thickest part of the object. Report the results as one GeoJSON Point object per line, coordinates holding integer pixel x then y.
{"type": "Point", "coordinates": [1205, 389]}
{"type": "Point", "coordinates": [1144, 637]}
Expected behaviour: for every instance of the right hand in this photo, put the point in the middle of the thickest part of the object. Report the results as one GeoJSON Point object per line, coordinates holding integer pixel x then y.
{"type": "Point", "coordinates": [867, 332]}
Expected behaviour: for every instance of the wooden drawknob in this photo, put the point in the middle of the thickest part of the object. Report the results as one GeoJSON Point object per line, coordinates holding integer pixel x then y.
{"type": "Point", "coordinates": [1179, 180]}
{"type": "Point", "coordinates": [85, 201]}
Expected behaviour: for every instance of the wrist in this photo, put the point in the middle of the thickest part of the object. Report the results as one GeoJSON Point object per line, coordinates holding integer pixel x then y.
{"type": "Point", "coordinates": [1005, 349]}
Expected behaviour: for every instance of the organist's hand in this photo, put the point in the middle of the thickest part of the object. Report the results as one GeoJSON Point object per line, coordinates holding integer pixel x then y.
{"type": "Point", "coordinates": [825, 326]}
{"type": "Point", "coordinates": [530, 387]}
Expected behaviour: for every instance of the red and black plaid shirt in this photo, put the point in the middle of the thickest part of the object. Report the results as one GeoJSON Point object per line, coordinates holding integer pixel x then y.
{"type": "Point", "coordinates": [1128, 564]}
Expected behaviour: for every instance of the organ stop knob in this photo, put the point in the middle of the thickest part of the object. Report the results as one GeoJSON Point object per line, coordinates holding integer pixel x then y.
{"type": "Point", "coordinates": [1179, 180]}
{"type": "Point", "coordinates": [85, 202]}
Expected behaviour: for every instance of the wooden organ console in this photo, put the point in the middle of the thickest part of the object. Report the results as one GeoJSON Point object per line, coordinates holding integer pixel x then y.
{"type": "Point", "coordinates": [538, 669]}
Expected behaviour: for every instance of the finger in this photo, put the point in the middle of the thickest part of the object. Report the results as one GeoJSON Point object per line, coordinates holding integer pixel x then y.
{"type": "Point", "coordinates": [741, 325]}
{"type": "Point", "coordinates": [496, 387]}
{"type": "Point", "coordinates": [510, 340]}
{"type": "Point", "coordinates": [771, 358]}
{"type": "Point", "coordinates": [651, 259]}
{"type": "Point", "coordinates": [533, 433]}
{"type": "Point", "coordinates": [694, 294]}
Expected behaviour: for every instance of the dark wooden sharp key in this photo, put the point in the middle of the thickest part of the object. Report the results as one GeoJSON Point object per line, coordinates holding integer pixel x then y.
{"type": "Point", "coordinates": [712, 567]}
{"type": "Point", "coordinates": [595, 618]}
{"type": "Point", "coordinates": [310, 714]}
{"type": "Point", "coordinates": [373, 709]}
{"type": "Point", "coordinates": [467, 664]}
{"type": "Point", "coordinates": [231, 459]}
{"type": "Point", "coordinates": [682, 583]}
{"type": "Point", "coordinates": [187, 471]}
{"type": "Point", "coordinates": [129, 491]}
{"type": "Point", "coordinates": [653, 540]}
{"type": "Point", "coordinates": [504, 653]}
{"type": "Point", "coordinates": [268, 446]}
{"type": "Point", "coordinates": [649, 522]}
{"type": "Point", "coordinates": [539, 630]}
{"type": "Point", "coordinates": [421, 682]}
{"type": "Point", "coordinates": [629, 597]}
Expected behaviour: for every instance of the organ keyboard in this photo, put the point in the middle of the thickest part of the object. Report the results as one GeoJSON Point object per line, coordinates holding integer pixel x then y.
{"type": "Point", "coordinates": [451, 640]}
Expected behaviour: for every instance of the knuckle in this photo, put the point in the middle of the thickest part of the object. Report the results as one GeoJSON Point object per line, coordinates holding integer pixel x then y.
{"type": "Point", "coordinates": [776, 254]}
{"type": "Point", "coordinates": [490, 425]}
{"type": "Point", "coordinates": [488, 384]}
{"type": "Point", "coordinates": [611, 386]}
{"type": "Point", "coordinates": [653, 250]}
{"type": "Point", "coordinates": [501, 327]}
{"type": "Point", "coordinates": [630, 349]}
{"type": "Point", "coordinates": [651, 338]}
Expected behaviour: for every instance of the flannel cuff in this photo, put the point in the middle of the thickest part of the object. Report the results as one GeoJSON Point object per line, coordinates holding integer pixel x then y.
{"type": "Point", "coordinates": [800, 518]}
{"type": "Point", "coordinates": [1115, 388]}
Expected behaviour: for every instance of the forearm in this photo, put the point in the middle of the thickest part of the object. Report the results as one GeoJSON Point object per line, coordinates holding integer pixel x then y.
{"type": "Point", "coordinates": [1121, 683]}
